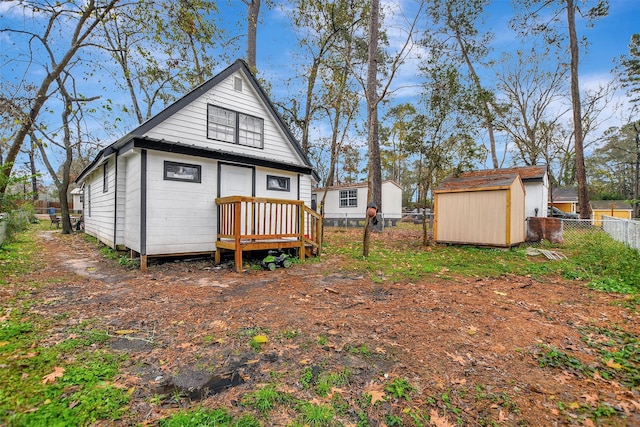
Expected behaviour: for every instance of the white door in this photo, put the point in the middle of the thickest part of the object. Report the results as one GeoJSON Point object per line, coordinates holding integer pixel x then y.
{"type": "Point", "coordinates": [235, 180]}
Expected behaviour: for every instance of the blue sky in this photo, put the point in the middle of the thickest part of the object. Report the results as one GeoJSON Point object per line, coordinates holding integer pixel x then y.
{"type": "Point", "coordinates": [277, 47]}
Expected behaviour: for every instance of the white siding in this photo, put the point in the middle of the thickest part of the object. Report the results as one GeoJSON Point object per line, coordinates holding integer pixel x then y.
{"type": "Point", "coordinates": [181, 216]}
{"type": "Point", "coordinates": [261, 184]}
{"type": "Point", "coordinates": [132, 201]}
{"type": "Point", "coordinates": [120, 199]}
{"type": "Point", "coordinates": [305, 189]}
{"type": "Point", "coordinates": [391, 202]}
{"type": "Point", "coordinates": [189, 125]}
{"type": "Point", "coordinates": [536, 197]}
{"type": "Point", "coordinates": [99, 218]}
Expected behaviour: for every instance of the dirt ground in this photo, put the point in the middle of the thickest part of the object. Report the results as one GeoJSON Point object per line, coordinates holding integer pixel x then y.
{"type": "Point", "coordinates": [470, 347]}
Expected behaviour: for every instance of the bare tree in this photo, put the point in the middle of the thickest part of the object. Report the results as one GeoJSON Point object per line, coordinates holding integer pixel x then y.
{"type": "Point", "coordinates": [80, 20]}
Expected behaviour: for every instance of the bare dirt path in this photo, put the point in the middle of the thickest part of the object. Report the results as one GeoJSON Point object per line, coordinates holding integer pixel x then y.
{"type": "Point", "coordinates": [471, 347]}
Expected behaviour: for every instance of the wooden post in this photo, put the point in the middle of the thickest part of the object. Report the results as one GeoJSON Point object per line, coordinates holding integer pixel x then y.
{"type": "Point", "coordinates": [301, 228]}
{"type": "Point", "coordinates": [366, 238]}
{"type": "Point", "coordinates": [237, 217]}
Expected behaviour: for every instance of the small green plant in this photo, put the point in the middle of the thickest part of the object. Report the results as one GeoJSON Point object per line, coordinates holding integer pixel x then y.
{"type": "Point", "coordinates": [306, 377]}
{"type": "Point", "coordinates": [321, 340]}
{"type": "Point", "coordinates": [553, 358]}
{"type": "Point", "coordinates": [393, 420]}
{"type": "Point", "coordinates": [199, 417]}
{"type": "Point", "coordinates": [360, 350]}
{"type": "Point", "coordinates": [400, 388]}
{"type": "Point", "coordinates": [263, 399]}
{"type": "Point", "coordinates": [258, 342]}
{"type": "Point", "coordinates": [316, 415]}
{"type": "Point", "coordinates": [288, 334]}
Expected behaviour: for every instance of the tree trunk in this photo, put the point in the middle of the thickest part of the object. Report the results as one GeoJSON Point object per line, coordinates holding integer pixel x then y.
{"type": "Point", "coordinates": [581, 174]}
{"type": "Point", "coordinates": [486, 111]}
{"type": "Point", "coordinates": [252, 29]}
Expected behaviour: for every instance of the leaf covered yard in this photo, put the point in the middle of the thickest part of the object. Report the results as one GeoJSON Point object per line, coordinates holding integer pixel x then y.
{"type": "Point", "coordinates": [411, 336]}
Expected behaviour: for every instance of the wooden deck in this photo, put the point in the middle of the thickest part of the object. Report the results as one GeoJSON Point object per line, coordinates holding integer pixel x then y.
{"type": "Point", "coordinates": [253, 223]}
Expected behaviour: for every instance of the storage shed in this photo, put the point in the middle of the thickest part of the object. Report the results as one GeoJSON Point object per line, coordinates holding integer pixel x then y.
{"type": "Point", "coordinates": [485, 211]}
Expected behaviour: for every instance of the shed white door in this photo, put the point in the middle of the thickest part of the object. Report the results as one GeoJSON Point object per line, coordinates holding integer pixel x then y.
{"type": "Point", "coordinates": [236, 181]}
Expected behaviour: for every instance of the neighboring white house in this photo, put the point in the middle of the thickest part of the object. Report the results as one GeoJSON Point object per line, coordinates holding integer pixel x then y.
{"type": "Point", "coordinates": [76, 199]}
{"type": "Point", "coordinates": [348, 202]}
{"type": "Point", "coordinates": [536, 185]}
{"type": "Point", "coordinates": [154, 190]}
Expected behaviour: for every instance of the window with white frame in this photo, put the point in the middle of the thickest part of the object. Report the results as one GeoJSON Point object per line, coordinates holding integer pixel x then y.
{"type": "Point", "coordinates": [348, 198]}
{"type": "Point", "coordinates": [234, 127]}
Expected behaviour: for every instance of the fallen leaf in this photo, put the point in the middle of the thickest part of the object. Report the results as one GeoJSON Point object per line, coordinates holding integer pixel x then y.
{"type": "Point", "coordinates": [125, 331]}
{"type": "Point", "coordinates": [50, 378]}
{"type": "Point", "coordinates": [587, 422]}
{"type": "Point", "coordinates": [457, 358]}
{"type": "Point", "coordinates": [377, 396]}
{"type": "Point", "coordinates": [3, 343]}
{"type": "Point", "coordinates": [500, 293]}
{"type": "Point", "coordinates": [590, 398]}
{"type": "Point", "coordinates": [614, 365]}
{"type": "Point", "coordinates": [439, 421]}
{"type": "Point", "coordinates": [472, 330]}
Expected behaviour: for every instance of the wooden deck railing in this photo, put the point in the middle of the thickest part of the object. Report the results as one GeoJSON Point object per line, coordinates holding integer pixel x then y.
{"type": "Point", "coordinates": [253, 223]}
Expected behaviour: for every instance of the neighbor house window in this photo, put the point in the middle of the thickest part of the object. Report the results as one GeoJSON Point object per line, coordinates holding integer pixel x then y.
{"type": "Point", "coordinates": [278, 183]}
{"type": "Point", "coordinates": [182, 172]}
{"type": "Point", "coordinates": [105, 178]}
{"type": "Point", "coordinates": [348, 198]}
{"type": "Point", "coordinates": [234, 127]}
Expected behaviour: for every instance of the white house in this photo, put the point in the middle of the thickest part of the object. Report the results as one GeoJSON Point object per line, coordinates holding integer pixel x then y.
{"type": "Point", "coordinates": [76, 195]}
{"type": "Point", "coordinates": [154, 190]}
{"type": "Point", "coordinates": [347, 203]}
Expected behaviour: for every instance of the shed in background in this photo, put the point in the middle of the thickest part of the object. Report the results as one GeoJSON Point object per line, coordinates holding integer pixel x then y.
{"type": "Point", "coordinates": [485, 211]}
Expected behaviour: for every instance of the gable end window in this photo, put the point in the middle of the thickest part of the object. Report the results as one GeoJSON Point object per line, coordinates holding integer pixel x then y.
{"type": "Point", "coordinates": [278, 183]}
{"type": "Point", "coordinates": [348, 198]}
{"type": "Point", "coordinates": [234, 127]}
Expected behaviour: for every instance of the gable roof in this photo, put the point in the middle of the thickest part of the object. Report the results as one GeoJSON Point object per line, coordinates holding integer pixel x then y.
{"type": "Point", "coordinates": [472, 182]}
{"type": "Point", "coordinates": [139, 132]}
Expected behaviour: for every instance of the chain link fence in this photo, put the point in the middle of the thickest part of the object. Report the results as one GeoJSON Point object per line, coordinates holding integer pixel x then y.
{"type": "Point", "coordinates": [606, 231]}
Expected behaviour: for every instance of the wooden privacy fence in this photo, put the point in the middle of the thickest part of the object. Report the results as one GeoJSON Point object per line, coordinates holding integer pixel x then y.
{"type": "Point", "coordinates": [253, 223]}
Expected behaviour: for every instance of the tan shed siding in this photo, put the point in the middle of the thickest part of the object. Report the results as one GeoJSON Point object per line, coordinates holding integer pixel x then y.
{"type": "Point", "coordinates": [100, 222]}
{"type": "Point", "coordinates": [517, 232]}
{"type": "Point", "coordinates": [181, 216]}
{"type": "Point", "coordinates": [189, 125]}
{"type": "Point", "coordinates": [472, 217]}
{"type": "Point", "coordinates": [132, 202]}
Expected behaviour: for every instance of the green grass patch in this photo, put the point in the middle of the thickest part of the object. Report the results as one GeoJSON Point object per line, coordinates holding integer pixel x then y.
{"type": "Point", "coordinates": [592, 256]}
